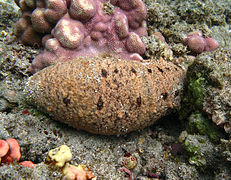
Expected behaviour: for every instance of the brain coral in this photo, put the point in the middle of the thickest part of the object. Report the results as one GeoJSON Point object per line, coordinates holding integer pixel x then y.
{"type": "Point", "coordinates": [106, 95]}
{"type": "Point", "coordinates": [74, 28]}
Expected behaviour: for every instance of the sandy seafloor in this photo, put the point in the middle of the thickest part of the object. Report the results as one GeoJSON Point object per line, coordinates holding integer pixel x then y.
{"type": "Point", "coordinates": [37, 133]}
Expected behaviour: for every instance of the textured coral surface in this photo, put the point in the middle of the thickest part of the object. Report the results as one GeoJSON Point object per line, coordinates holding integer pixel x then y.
{"type": "Point", "coordinates": [107, 96]}
{"type": "Point", "coordinates": [76, 28]}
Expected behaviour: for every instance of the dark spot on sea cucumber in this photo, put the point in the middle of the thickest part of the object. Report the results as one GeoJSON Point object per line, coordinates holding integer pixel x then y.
{"type": "Point", "coordinates": [138, 101]}
{"type": "Point", "coordinates": [161, 70]}
{"type": "Point", "coordinates": [149, 70]}
{"type": "Point", "coordinates": [100, 103]}
{"type": "Point", "coordinates": [164, 96]}
{"type": "Point", "coordinates": [177, 93]}
{"type": "Point", "coordinates": [108, 84]}
{"type": "Point", "coordinates": [133, 70]}
{"type": "Point", "coordinates": [116, 71]}
{"type": "Point", "coordinates": [66, 101]}
{"type": "Point", "coordinates": [104, 73]}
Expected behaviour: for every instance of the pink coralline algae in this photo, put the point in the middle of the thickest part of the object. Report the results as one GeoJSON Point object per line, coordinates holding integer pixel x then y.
{"type": "Point", "coordinates": [198, 44]}
{"type": "Point", "coordinates": [73, 28]}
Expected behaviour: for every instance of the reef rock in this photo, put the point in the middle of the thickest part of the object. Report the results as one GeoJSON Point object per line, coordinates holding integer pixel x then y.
{"type": "Point", "coordinates": [106, 95]}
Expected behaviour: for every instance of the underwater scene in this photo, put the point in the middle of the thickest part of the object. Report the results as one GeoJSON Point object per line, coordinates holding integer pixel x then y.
{"type": "Point", "coordinates": [115, 89]}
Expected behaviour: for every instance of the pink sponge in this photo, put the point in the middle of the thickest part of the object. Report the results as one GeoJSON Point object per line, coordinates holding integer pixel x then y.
{"type": "Point", "coordinates": [88, 28]}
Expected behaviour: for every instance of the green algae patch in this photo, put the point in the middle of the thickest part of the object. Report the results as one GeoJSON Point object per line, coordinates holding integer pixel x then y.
{"type": "Point", "coordinates": [200, 150]}
{"type": "Point", "coordinates": [194, 95]}
{"type": "Point", "coordinates": [197, 123]}
{"type": "Point", "coordinates": [196, 91]}
{"type": "Point", "coordinates": [194, 150]}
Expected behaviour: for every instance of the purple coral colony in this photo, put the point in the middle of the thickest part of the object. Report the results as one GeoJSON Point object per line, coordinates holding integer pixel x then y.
{"type": "Point", "coordinates": [73, 28]}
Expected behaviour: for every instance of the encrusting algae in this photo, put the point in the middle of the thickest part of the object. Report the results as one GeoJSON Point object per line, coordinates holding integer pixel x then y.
{"type": "Point", "coordinates": [106, 95]}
